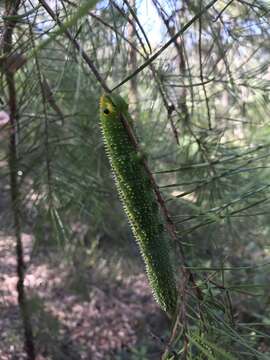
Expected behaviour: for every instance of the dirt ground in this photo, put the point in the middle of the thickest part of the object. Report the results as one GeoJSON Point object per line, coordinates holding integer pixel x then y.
{"type": "Point", "coordinates": [75, 315]}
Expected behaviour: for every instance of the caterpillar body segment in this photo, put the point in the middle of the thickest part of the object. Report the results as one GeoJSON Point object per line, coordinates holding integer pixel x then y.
{"type": "Point", "coordinates": [139, 201]}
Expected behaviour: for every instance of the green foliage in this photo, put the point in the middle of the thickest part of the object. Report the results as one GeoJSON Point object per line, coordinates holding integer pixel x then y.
{"type": "Point", "coordinates": [80, 13]}
{"type": "Point", "coordinates": [215, 181]}
{"type": "Point", "coordinates": [207, 350]}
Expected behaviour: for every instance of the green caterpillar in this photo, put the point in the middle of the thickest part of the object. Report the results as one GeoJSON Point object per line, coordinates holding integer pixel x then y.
{"type": "Point", "coordinates": [140, 204]}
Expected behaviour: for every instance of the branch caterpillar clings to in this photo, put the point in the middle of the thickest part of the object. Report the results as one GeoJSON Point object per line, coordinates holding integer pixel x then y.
{"type": "Point", "coordinates": [139, 201]}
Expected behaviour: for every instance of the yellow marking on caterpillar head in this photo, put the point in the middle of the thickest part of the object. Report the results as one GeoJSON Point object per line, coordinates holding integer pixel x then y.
{"type": "Point", "coordinates": [113, 103]}
{"type": "Point", "coordinates": [106, 106]}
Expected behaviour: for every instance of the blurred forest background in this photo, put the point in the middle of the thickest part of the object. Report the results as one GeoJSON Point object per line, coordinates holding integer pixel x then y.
{"type": "Point", "coordinates": [201, 110]}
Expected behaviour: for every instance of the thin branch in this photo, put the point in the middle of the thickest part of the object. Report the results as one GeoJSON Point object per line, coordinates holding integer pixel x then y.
{"type": "Point", "coordinates": [187, 274]}
{"type": "Point", "coordinates": [202, 77]}
{"type": "Point", "coordinates": [11, 10]}
{"type": "Point", "coordinates": [135, 17]}
{"type": "Point", "coordinates": [46, 97]}
{"type": "Point", "coordinates": [178, 49]}
{"type": "Point", "coordinates": [129, 20]}
{"type": "Point", "coordinates": [164, 47]}
{"type": "Point", "coordinates": [118, 33]}
{"type": "Point", "coordinates": [222, 11]}
{"type": "Point", "coordinates": [76, 45]}
{"type": "Point", "coordinates": [214, 162]}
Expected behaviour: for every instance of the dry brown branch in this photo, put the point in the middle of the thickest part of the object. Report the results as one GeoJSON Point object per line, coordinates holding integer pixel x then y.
{"type": "Point", "coordinates": [11, 9]}
{"type": "Point", "coordinates": [169, 223]}
{"type": "Point", "coordinates": [76, 44]}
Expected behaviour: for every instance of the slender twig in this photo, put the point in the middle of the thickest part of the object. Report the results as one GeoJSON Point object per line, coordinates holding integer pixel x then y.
{"type": "Point", "coordinates": [191, 85]}
{"type": "Point", "coordinates": [11, 10]}
{"type": "Point", "coordinates": [178, 44]}
{"type": "Point", "coordinates": [135, 17]}
{"type": "Point", "coordinates": [129, 20]}
{"type": "Point", "coordinates": [168, 43]}
{"type": "Point", "coordinates": [76, 45]}
{"type": "Point", "coordinates": [181, 320]}
{"type": "Point", "coordinates": [46, 88]}
{"type": "Point", "coordinates": [48, 94]}
{"type": "Point", "coordinates": [46, 97]}
{"type": "Point", "coordinates": [202, 76]}
{"type": "Point", "coordinates": [228, 172]}
{"type": "Point", "coordinates": [216, 218]}
{"type": "Point", "coordinates": [187, 274]}
{"type": "Point", "coordinates": [222, 11]}
{"type": "Point", "coordinates": [169, 107]}
{"type": "Point", "coordinates": [99, 19]}
{"type": "Point", "coordinates": [185, 167]}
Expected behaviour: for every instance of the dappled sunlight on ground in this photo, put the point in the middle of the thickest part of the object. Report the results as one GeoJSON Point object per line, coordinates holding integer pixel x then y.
{"type": "Point", "coordinates": [111, 317]}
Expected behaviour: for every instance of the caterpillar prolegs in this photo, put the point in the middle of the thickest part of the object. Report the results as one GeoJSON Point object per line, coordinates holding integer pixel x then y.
{"type": "Point", "coordinates": [139, 201]}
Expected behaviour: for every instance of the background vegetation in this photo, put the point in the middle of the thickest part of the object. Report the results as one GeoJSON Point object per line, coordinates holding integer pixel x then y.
{"type": "Point", "coordinates": [196, 76]}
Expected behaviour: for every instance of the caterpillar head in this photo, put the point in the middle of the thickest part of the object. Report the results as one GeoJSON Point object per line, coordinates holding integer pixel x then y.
{"type": "Point", "coordinates": [111, 105]}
